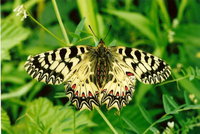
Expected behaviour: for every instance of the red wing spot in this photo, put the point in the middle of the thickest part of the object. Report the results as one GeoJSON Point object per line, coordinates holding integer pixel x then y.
{"type": "Point", "coordinates": [74, 86]}
{"type": "Point", "coordinates": [111, 92]}
{"type": "Point", "coordinates": [117, 94]}
{"type": "Point", "coordinates": [96, 92]}
{"type": "Point", "coordinates": [90, 94]}
{"type": "Point", "coordinates": [83, 94]}
{"type": "Point", "coordinates": [129, 74]}
{"type": "Point", "coordinates": [126, 88]}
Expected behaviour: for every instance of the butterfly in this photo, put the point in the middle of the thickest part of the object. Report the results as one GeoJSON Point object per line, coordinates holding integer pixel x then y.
{"type": "Point", "coordinates": [99, 75]}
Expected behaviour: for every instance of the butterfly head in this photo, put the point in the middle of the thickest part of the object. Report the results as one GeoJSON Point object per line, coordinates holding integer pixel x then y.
{"type": "Point", "coordinates": [101, 43]}
{"type": "Point", "coordinates": [101, 48]}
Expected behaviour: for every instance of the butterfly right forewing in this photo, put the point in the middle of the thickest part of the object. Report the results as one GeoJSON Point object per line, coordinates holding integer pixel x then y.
{"type": "Point", "coordinates": [147, 68]}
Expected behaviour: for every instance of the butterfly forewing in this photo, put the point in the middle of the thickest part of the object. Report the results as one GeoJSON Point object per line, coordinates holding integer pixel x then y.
{"type": "Point", "coordinates": [52, 67]}
{"type": "Point", "coordinates": [147, 68]}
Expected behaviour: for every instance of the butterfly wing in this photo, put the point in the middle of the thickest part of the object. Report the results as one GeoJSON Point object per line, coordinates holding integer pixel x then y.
{"type": "Point", "coordinates": [119, 89]}
{"type": "Point", "coordinates": [71, 66]}
{"type": "Point", "coordinates": [147, 68]}
{"type": "Point", "coordinates": [80, 88]}
{"type": "Point", "coordinates": [53, 67]}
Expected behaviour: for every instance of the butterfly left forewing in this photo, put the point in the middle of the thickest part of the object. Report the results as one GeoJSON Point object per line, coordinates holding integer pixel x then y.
{"type": "Point", "coordinates": [52, 67]}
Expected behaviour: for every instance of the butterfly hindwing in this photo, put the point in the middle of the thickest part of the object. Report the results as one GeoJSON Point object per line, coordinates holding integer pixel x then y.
{"type": "Point", "coordinates": [119, 90]}
{"type": "Point", "coordinates": [52, 67]}
{"type": "Point", "coordinates": [147, 68]}
{"type": "Point", "coordinates": [80, 88]}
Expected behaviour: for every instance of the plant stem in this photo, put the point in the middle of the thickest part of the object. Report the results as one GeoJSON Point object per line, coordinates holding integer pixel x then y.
{"type": "Point", "coordinates": [174, 80]}
{"type": "Point", "coordinates": [107, 121]}
{"type": "Point", "coordinates": [74, 122]}
{"type": "Point", "coordinates": [179, 110]}
{"type": "Point", "coordinates": [45, 28]}
{"type": "Point", "coordinates": [60, 22]}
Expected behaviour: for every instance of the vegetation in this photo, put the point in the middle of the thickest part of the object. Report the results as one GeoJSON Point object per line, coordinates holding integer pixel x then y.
{"type": "Point", "coordinates": [168, 29]}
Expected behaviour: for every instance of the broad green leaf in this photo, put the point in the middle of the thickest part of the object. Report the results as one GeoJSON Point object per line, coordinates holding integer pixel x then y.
{"type": "Point", "coordinates": [131, 125]}
{"type": "Point", "coordinates": [164, 14]}
{"type": "Point", "coordinates": [135, 121]}
{"type": "Point", "coordinates": [139, 21]}
{"type": "Point", "coordinates": [87, 9]}
{"type": "Point", "coordinates": [78, 30]}
{"type": "Point", "coordinates": [188, 34]}
{"type": "Point", "coordinates": [188, 86]}
{"type": "Point", "coordinates": [142, 90]}
{"type": "Point", "coordinates": [145, 114]}
{"type": "Point", "coordinates": [18, 92]}
{"type": "Point", "coordinates": [42, 117]}
{"type": "Point", "coordinates": [169, 104]}
{"type": "Point", "coordinates": [12, 34]}
{"type": "Point", "coordinates": [5, 122]}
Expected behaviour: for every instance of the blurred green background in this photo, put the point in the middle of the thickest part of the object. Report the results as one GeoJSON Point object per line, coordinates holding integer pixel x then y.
{"type": "Point", "coordinates": [169, 29]}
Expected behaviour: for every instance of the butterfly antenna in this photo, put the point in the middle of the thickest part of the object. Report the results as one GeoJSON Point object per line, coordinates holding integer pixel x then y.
{"type": "Point", "coordinates": [108, 32]}
{"type": "Point", "coordinates": [93, 32]}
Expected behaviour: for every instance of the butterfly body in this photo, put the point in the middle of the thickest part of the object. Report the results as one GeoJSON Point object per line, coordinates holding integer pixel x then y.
{"type": "Point", "coordinates": [97, 75]}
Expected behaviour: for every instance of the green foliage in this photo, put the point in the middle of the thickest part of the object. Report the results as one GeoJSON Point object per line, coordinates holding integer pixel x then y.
{"type": "Point", "coordinates": [12, 34]}
{"type": "Point", "coordinates": [41, 116]}
{"type": "Point", "coordinates": [5, 122]}
{"type": "Point", "coordinates": [174, 35]}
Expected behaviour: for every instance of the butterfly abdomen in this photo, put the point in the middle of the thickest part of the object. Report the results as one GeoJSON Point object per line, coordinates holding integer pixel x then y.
{"type": "Point", "coordinates": [101, 71]}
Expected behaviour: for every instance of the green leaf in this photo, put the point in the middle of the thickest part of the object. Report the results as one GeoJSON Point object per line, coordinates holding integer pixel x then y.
{"type": "Point", "coordinates": [186, 97]}
{"type": "Point", "coordinates": [87, 10]}
{"type": "Point", "coordinates": [145, 114]}
{"type": "Point", "coordinates": [12, 34]}
{"type": "Point", "coordinates": [135, 121]}
{"type": "Point", "coordinates": [139, 21]}
{"type": "Point", "coordinates": [42, 117]}
{"type": "Point", "coordinates": [5, 122]}
{"type": "Point", "coordinates": [169, 104]}
{"type": "Point", "coordinates": [164, 118]}
{"type": "Point", "coordinates": [193, 107]}
{"type": "Point", "coordinates": [78, 30]}
{"type": "Point", "coordinates": [188, 86]}
{"type": "Point", "coordinates": [18, 92]}
{"type": "Point", "coordinates": [164, 14]}
{"type": "Point", "coordinates": [131, 125]}
{"type": "Point", "coordinates": [188, 34]}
